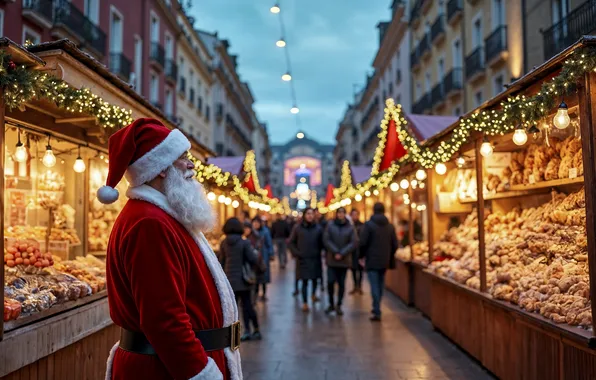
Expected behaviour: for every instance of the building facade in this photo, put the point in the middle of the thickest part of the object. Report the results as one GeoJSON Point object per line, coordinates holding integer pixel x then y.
{"type": "Point", "coordinates": [260, 145]}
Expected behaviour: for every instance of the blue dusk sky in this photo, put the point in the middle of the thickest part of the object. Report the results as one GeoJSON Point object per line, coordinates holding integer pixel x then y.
{"type": "Point", "coordinates": [331, 44]}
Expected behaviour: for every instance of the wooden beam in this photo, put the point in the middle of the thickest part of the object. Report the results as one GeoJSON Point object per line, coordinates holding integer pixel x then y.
{"type": "Point", "coordinates": [74, 119]}
{"type": "Point", "coordinates": [480, 211]}
{"type": "Point", "coordinates": [430, 197]}
{"type": "Point", "coordinates": [411, 222]}
{"type": "Point", "coordinates": [587, 111]}
{"type": "Point", "coordinates": [43, 110]}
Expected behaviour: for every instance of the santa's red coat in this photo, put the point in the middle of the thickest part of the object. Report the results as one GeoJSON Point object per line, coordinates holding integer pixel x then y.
{"type": "Point", "coordinates": [160, 284]}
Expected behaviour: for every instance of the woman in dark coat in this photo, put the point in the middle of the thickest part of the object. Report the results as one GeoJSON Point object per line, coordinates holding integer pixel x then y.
{"type": "Point", "coordinates": [234, 253]}
{"type": "Point", "coordinates": [266, 253]}
{"type": "Point", "coordinates": [341, 241]}
{"type": "Point", "coordinates": [306, 244]}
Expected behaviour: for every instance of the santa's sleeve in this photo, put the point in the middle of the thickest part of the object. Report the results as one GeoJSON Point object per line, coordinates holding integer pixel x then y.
{"type": "Point", "coordinates": [157, 277]}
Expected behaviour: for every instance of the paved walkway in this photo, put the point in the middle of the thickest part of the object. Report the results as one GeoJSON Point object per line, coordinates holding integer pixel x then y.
{"type": "Point", "coordinates": [314, 346]}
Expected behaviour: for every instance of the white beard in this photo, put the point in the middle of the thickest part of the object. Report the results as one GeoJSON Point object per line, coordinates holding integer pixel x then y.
{"type": "Point", "coordinates": [188, 199]}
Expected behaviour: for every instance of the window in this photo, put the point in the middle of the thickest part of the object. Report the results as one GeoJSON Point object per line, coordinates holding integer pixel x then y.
{"type": "Point", "coordinates": [398, 76]}
{"type": "Point", "coordinates": [1, 22]}
{"type": "Point", "coordinates": [457, 111]}
{"type": "Point", "coordinates": [169, 47]}
{"type": "Point", "coordinates": [116, 34]}
{"type": "Point", "coordinates": [207, 111]}
{"type": "Point", "coordinates": [92, 10]}
{"type": "Point", "coordinates": [190, 86]}
{"type": "Point", "coordinates": [154, 89]}
{"type": "Point", "coordinates": [418, 92]}
{"type": "Point", "coordinates": [498, 13]}
{"type": "Point", "coordinates": [457, 54]}
{"type": "Point", "coordinates": [390, 88]}
{"type": "Point", "coordinates": [137, 76]}
{"type": "Point", "coordinates": [200, 104]}
{"type": "Point", "coordinates": [477, 31]}
{"type": "Point", "coordinates": [440, 69]}
{"type": "Point", "coordinates": [427, 82]}
{"type": "Point", "coordinates": [29, 35]}
{"type": "Point", "coordinates": [191, 97]}
{"type": "Point", "coordinates": [169, 109]}
{"type": "Point", "coordinates": [154, 27]}
{"type": "Point", "coordinates": [498, 84]}
{"type": "Point", "coordinates": [478, 99]}
{"type": "Point", "coordinates": [560, 9]}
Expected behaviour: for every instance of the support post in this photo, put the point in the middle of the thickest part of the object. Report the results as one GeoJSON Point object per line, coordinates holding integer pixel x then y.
{"type": "Point", "coordinates": [2, 205]}
{"type": "Point", "coordinates": [411, 222]}
{"type": "Point", "coordinates": [480, 211]}
{"type": "Point", "coordinates": [430, 183]}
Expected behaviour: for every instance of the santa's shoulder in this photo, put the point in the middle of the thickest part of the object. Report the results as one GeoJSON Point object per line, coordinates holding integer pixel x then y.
{"type": "Point", "coordinates": [140, 214]}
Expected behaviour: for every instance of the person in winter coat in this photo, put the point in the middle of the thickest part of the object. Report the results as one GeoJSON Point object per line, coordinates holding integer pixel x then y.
{"type": "Point", "coordinates": [341, 241]}
{"type": "Point", "coordinates": [357, 269]}
{"type": "Point", "coordinates": [378, 243]}
{"type": "Point", "coordinates": [306, 244]}
{"type": "Point", "coordinates": [234, 254]}
{"type": "Point", "coordinates": [280, 232]}
{"type": "Point", "coordinates": [266, 252]}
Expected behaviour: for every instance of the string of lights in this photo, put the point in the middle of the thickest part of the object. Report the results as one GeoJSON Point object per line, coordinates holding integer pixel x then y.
{"type": "Point", "coordinates": [287, 76]}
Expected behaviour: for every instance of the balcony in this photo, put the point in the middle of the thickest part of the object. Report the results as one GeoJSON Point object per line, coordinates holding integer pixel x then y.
{"type": "Point", "coordinates": [417, 9]}
{"type": "Point", "coordinates": [496, 46]}
{"type": "Point", "coordinates": [423, 104]}
{"type": "Point", "coordinates": [40, 12]}
{"type": "Point", "coordinates": [171, 70]}
{"type": "Point", "coordinates": [455, 9]}
{"type": "Point", "coordinates": [454, 82]}
{"type": "Point", "coordinates": [157, 105]}
{"type": "Point", "coordinates": [437, 30]}
{"type": "Point", "coordinates": [475, 64]}
{"type": "Point", "coordinates": [182, 86]}
{"type": "Point", "coordinates": [579, 22]}
{"type": "Point", "coordinates": [424, 46]}
{"type": "Point", "coordinates": [157, 54]}
{"type": "Point", "coordinates": [120, 65]}
{"type": "Point", "coordinates": [415, 60]}
{"type": "Point", "coordinates": [70, 22]}
{"type": "Point", "coordinates": [437, 96]}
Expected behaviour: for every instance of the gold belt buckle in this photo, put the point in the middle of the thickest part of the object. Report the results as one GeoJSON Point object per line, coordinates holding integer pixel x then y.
{"type": "Point", "coordinates": [235, 344]}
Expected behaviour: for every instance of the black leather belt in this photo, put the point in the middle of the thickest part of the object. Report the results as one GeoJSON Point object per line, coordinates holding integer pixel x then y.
{"type": "Point", "coordinates": [212, 340]}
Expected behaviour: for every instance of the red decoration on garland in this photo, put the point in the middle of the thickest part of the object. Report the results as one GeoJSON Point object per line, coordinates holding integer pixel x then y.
{"type": "Point", "coordinates": [11, 65]}
{"type": "Point", "coordinates": [269, 191]}
{"type": "Point", "coordinates": [329, 197]}
{"type": "Point", "coordinates": [249, 183]}
{"type": "Point", "coordinates": [394, 150]}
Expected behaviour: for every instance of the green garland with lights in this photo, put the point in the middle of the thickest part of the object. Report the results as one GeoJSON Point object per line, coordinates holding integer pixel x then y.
{"type": "Point", "coordinates": [22, 84]}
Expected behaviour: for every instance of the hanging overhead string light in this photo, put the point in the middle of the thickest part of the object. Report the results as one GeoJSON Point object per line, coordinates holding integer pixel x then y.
{"type": "Point", "coordinates": [287, 75]}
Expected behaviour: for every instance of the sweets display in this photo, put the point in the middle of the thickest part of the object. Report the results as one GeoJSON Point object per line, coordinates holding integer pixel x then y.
{"type": "Point", "coordinates": [39, 233]}
{"type": "Point", "coordinates": [101, 217]}
{"type": "Point", "coordinates": [535, 258]}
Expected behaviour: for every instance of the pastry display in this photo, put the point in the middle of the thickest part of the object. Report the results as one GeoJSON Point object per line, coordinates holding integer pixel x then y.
{"type": "Point", "coordinates": [101, 217]}
{"type": "Point", "coordinates": [51, 181]}
{"type": "Point", "coordinates": [39, 233]}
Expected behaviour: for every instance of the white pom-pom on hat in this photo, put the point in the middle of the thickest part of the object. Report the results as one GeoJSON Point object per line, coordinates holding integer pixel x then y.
{"type": "Point", "coordinates": [107, 195]}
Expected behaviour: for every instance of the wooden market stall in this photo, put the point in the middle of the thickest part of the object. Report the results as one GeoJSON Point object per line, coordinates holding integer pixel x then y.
{"type": "Point", "coordinates": [512, 225]}
{"type": "Point", "coordinates": [59, 108]}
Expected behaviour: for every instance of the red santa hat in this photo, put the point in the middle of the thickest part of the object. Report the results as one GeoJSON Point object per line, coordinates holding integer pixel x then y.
{"type": "Point", "coordinates": [139, 152]}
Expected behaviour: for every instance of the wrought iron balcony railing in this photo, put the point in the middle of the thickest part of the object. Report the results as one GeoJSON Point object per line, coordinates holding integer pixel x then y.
{"type": "Point", "coordinates": [454, 80]}
{"type": "Point", "coordinates": [438, 94]}
{"type": "Point", "coordinates": [496, 43]}
{"type": "Point", "coordinates": [158, 53]}
{"type": "Point", "coordinates": [438, 28]}
{"type": "Point", "coordinates": [69, 16]}
{"type": "Point", "coordinates": [564, 33]}
{"type": "Point", "coordinates": [454, 9]}
{"type": "Point", "coordinates": [423, 104]}
{"type": "Point", "coordinates": [171, 70]}
{"type": "Point", "coordinates": [120, 65]}
{"type": "Point", "coordinates": [475, 62]}
{"type": "Point", "coordinates": [39, 11]}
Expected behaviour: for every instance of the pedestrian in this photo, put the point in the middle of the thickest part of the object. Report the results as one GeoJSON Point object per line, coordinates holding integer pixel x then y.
{"type": "Point", "coordinates": [341, 241]}
{"type": "Point", "coordinates": [280, 232]}
{"type": "Point", "coordinates": [357, 268]}
{"type": "Point", "coordinates": [239, 261]}
{"type": "Point", "coordinates": [257, 244]}
{"type": "Point", "coordinates": [166, 289]}
{"type": "Point", "coordinates": [306, 244]}
{"type": "Point", "coordinates": [266, 251]}
{"type": "Point", "coordinates": [378, 243]}
{"type": "Point", "coordinates": [321, 221]}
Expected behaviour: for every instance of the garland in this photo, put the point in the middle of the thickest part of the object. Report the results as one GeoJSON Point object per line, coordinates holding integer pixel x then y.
{"type": "Point", "coordinates": [21, 84]}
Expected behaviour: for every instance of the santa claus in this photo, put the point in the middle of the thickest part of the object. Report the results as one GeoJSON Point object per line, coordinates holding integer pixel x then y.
{"type": "Point", "coordinates": [166, 288]}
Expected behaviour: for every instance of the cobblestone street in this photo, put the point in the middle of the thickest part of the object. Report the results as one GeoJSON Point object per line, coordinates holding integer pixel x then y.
{"type": "Point", "coordinates": [315, 346]}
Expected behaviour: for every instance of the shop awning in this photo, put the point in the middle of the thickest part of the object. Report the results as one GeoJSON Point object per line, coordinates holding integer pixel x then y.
{"type": "Point", "coordinates": [233, 165]}
{"type": "Point", "coordinates": [360, 173]}
{"type": "Point", "coordinates": [426, 126]}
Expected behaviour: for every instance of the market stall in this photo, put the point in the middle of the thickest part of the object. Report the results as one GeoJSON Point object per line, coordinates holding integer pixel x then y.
{"type": "Point", "coordinates": [59, 108]}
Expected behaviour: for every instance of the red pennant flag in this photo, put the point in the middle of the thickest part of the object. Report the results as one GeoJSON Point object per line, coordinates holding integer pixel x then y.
{"type": "Point", "coordinates": [329, 196]}
{"type": "Point", "coordinates": [394, 150]}
{"type": "Point", "coordinates": [249, 183]}
{"type": "Point", "coordinates": [269, 191]}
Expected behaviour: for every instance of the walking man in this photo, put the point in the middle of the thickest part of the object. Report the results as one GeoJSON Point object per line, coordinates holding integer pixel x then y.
{"type": "Point", "coordinates": [280, 231]}
{"type": "Point", "coordinates": [378, 243]}
{"type": "Point", "coordinates": [166, 288]}
{"type": "Point", "coordinates": [341, 241]}
{"type": "Point", "coordinates": [357, 269]}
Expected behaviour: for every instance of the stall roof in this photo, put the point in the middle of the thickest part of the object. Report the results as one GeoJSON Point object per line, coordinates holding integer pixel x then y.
{"type": "Point", "coordinates": [232, 164]}
{"type": "Point", "coordinates": [360, 173]}
{"type": "Point", "coordinates": [427, 126]}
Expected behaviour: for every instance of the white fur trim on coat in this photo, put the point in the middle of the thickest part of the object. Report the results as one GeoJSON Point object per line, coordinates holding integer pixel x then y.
{"type": "Point", "coordinates": [226, 294]}
{"type": "Point", "coordinates": [210, 372]}
{"type": "Point", "coordinates": [157, 159]}
{"type": "Point", "coordinates": [110, 362]}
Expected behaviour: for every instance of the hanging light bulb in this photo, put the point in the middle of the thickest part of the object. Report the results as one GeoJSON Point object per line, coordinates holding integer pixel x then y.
{"type": "Point", "coordinates": [441, 168]}
{"type": "Point", "coordinates": [404, 184]}
{"type": "Point", "coordinates": [394, 187]}
{"type": "Point", "coordinates": [49, 160]}
{"type": "Point", "coordinates": [79, 165]}
{"type": "Point", "coordinates": [221, 198]}
{"type": "Point", "coordinates": [281, 43]}
{"type": "Point", "coordinates": [20, 153]}
{"type": "Point", "coordinates": [486, 149]}
{"type": "Point", "coordinates": [235, 204]}
{"type": "Point", "coordinates": [460, 161]}
{"type": "Point", "coordinates": [376, 192]}
{"type": "Point", "coordinates": [286, 77]}
{"type": "Point", "coordinates": [275, 8]}
{"type": "Point", "coordinates": [211, 196]}
{"type": "Point", "coordinates": [367, 193]}
{"type": "Point", "coordinates": [358, 197]}
{"type": "Point", "coordinates": [294, 110]}
{"type": "Point", "coordinates": [414, 183]}
{"type": "Point", "coordinates": [420, 175]}
{"type": "Point", "coordinates": [228, 201]}
{"type": "Point", "coordinates": [300, 135]}
{"type": "Point", "coordinates": [561, 119]}
{"type": "Point", "coordinates": [520, 137]}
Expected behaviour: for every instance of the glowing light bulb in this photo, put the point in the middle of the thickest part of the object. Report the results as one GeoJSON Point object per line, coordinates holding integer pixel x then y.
{"type": "Point", "coordinates": [460, 161]}
{"type": "Point", "coordinates": [358, 197]}
{"type": "Point", "coordinates": [561, 119]}
{"type": "Point", "coordinates": [367, 193]}
{"type": "Point", "coordinates": [235, 204]}
{"type": "Point", "coordinates": [376, 192]}
{"type": "Point", "coordinates": [221, 199]}
{"type": "Point", "coordinates": [404, 184]}
{"type": "Point", "coordinates": [348, 202]}
{"type": "Point", "coordinates": [414, 183]}
{"type": "Point", "coordinates": [486, 149]}
{"type": "Point", "coordinates": [420, 175]}
{"type": "Point", "coordinates": [275, 9]}
{"type": "Point", "coordinates": [79, 165]}
{"type": "Point", "coordinates": [211, 196]}
{"type": "Point", "coordinates": [281, 43]}
{"type": "Point", "coordinates": [294, 110]}
{"type": "Point", "coordinates": [520, 137]}
{"type": "Point", "coordinates": [300, 135]}
{"type": "Point", "coordinates": [441, 168]}
{"type": "Point", "coordinates": [394, 187]}
{"type": "Point", "coordinates": [228, 201]}
{"type": "Point", "coordinates": [49, 160]}
{"type": "Point", "coordinates": [286, 77]}
{"type": "Point", "coordinates": [20, 154]}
